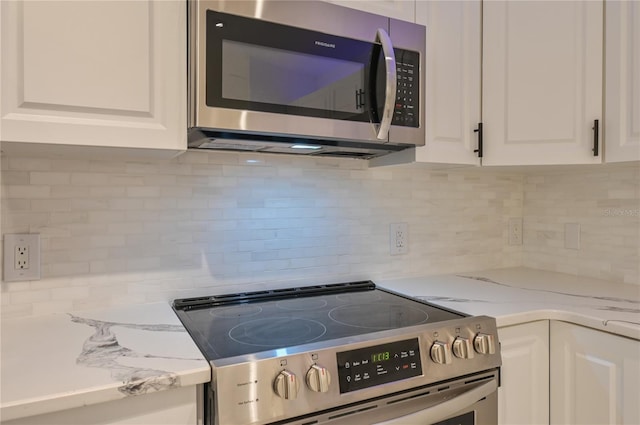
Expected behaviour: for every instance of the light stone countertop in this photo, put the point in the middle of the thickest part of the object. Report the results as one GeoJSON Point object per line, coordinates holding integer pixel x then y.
{"type": "Point", "coordinates": [520, 295]}
{"type": "Point", "coordinates": [61, 361]}
{"type": "Point", "coordinates": [58, 362]}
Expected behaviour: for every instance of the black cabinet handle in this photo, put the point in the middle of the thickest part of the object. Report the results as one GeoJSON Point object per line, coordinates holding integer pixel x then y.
{"type": "Point", "coordinates": [479, 131]}
{"type": "Point", "coordinates": [596, 136]}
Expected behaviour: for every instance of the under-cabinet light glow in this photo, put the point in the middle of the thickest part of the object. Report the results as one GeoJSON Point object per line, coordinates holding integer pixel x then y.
{"type": "Point", "coordinates": [314, 147]}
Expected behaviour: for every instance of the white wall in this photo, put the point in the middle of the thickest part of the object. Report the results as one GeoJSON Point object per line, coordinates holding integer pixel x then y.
{"type": "Point", "coordinates": [605, 201]}
{"type": "Point", "coordinates": [118, 232]}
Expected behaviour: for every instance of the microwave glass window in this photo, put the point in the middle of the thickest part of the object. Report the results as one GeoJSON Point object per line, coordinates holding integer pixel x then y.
{"type": "Point", "coordinates": [281, 77]}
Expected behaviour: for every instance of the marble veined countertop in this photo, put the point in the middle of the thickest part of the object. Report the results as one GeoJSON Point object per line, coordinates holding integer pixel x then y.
{"type": "Point", "coordinates": [519, 295]}
{"type": "Point", "coordinates": [62, 361]}
{"type": "Point", "coordinates": [58, 362]}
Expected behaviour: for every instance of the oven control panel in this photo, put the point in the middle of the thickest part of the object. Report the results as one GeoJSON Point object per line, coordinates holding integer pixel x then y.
{"type": "Point", "coordinates": [378, 364]}
{"type": "Point", "coordinates": [276, 386]}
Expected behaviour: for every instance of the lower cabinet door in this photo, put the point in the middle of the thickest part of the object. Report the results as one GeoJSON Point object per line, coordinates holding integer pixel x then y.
{"type": "Point", "coordinates": [595, 376]}
{"type": "Point", "coordinates": [523, 396]}
{"type": "Point", "coordinates": [171, 407]}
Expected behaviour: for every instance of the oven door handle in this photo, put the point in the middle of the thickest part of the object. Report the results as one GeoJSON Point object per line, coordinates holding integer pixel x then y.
{"type": "Point", "coordinates": [447, 408]}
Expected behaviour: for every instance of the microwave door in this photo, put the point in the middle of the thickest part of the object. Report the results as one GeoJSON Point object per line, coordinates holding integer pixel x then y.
{"type": "Point", "coordinates": [267, 77]}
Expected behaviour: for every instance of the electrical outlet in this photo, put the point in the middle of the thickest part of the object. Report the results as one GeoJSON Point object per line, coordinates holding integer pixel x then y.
{"type": "Point", "coordinates": [21, 257]}
{"type": "Point", "coordinates": [398, 238]}
{"type": "Point", "coordinates": [515, 231]}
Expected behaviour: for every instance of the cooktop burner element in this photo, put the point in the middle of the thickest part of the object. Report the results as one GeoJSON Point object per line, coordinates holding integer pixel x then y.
{"type": "Point", "coordinates": [387, 316]}
{"type": "Point", "coordinates": [268, 332]}
{"type": "Point", "coordinates": [275, 321]}
{"type": "Point", "coordinates": [312, 355]}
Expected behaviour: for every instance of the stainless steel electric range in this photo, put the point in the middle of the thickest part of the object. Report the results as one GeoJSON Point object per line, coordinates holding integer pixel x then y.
{"type": "Point", "coordinates": [342, 353]}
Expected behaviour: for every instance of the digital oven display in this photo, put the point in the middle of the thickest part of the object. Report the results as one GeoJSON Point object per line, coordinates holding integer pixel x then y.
{"type": "Point", "coordinates": [380, 357]}
{"type": "Point", "coordinates": [379, 364]}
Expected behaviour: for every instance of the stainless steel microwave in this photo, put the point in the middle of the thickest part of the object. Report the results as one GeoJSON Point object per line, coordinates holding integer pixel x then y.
{"type": "Point", "coordinates": [303, 77]}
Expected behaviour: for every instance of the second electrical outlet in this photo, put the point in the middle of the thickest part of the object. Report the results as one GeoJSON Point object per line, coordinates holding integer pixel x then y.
{"type": "Point", "coordinates": [398, 238]}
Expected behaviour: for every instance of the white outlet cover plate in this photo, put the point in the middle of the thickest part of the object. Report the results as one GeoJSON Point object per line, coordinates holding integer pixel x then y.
{"type": "Point", "coordinates": [515, 231]}
{"type": "Point", "coordinates": [11, 274]}
{"type": "Point", "coordinates": [398, 245]}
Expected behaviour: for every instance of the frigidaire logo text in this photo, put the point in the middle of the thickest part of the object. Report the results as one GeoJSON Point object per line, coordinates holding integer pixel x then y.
{"type": "Point", "coordinates": [323, 44]}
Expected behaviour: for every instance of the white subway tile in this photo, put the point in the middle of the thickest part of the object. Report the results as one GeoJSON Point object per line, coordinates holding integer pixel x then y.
{"type": "Point", "coordinates": [89, 204]}
{"type": "Point", "coordinates": [50, 178]}
{"type": "Point", "coordinates": [30, 297]}
{"type": "Point", "coordinates": [26, 191]}
{"type": "Point", "coordinates": [69, 293]}
{"type": "Point", "coordinates": [50, 205]}
{"type": "Point", "coordinates": [28, 164]}
{"type": "Point", "coordinates": [126, 180]}
{"type": "Point", "coordinates": [15, 177]}
{"type": "Point", "coordinates": [89, 179]}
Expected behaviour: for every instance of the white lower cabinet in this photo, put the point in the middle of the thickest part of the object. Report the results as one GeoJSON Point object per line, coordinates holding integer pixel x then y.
{"type": "Point", "coordinates": [171, 407]}
{"type": "Point", "coordinates": [595, 376]}
{"type": "Point", "coordinates": [523, 396]}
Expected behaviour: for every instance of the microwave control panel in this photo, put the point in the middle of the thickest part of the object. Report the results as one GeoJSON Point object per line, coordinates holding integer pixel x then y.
{"type": "Point", "coordinates": [380, 364]}
{"type": "Point", "coordinates": [407, 109]}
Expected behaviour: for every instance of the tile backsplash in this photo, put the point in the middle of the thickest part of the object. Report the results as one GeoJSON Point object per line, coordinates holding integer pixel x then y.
{"type": "Point", "coordinates": [122, 232]}
{"type": "Point", "coordinates": [116, 232]}
{"type": "Point", "coordinates": [604, 200]}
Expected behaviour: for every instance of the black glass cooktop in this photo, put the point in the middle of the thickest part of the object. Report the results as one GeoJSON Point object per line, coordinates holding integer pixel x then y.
{"type": "Point", "coordinates": [236, 324]}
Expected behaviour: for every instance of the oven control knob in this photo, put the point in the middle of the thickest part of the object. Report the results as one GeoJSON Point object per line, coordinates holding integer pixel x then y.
{"type": "Point", "coordinates": [440, 353]}
{"type": "Point", "coordinates": [286, 385]}
{"type": "Point", "coordinates": [318, 379]}
{"type": "Point", "coordinates": [484, 343]}
{"type": "Point", "coordinates": [462, 348]}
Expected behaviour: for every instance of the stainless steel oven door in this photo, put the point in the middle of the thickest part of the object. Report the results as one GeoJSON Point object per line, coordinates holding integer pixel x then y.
{"type": "Point", "coordinates": [464, 407]}
{"type": "Point", "coordinates": [463, 401]}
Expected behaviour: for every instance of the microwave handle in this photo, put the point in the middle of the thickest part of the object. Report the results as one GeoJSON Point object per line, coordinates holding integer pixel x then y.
{"type": "Point", "coordinates": [391, 81]}
{"type": "Point", "coordinates": [445, 409]}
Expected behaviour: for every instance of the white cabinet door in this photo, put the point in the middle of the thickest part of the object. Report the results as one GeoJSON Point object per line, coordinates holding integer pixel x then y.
{"type": "Point", "coordinates": [523, 397]}
{"type": "Point", "coordinates": [452, 98]}
{"type": "Point", "coordinates": [98, 73]}
{"type": "Point", "coordinates": [398, 9]}
{"type": "Point", "coordinates": [542, 81]}
{"type": "Point", "coordinates": [171, 407]}
{"type": "Point", "coordinates": [622, 84]}
{"type": "Point", "coordinates": [595, 376]}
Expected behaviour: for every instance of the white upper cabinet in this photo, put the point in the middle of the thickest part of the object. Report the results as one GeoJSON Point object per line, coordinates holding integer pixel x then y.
{"type": "Point", "coordinates": [94, 73]}
{"type": "Point", "coordinates": [452, 97]}
{"type": "Point", "coordinates": [542, 81]}
{"type": "Point", "coordinates": [530, 71]}
{"type": "Point", "coordinates": [452, 86]}
{"type": "Point", "coordinates": [398, 9]}
{"type": "Point", "coordinates": [622, 84]}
